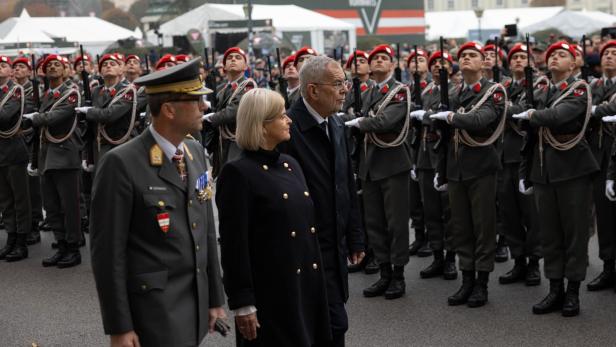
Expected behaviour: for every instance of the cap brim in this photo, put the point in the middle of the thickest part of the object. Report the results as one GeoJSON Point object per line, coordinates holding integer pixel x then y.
{"type": "Point", "coordinates": [200, 91]}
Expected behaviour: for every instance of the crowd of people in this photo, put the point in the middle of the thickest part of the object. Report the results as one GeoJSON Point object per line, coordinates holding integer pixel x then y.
{"type": "Point", "coordinates": [487, 151]}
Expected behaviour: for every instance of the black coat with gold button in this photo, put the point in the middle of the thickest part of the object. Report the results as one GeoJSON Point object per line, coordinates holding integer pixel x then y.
{"type": "Point", "coordinates": [270, 250]}
{"type": "Point", "coordinates": [154, 250]}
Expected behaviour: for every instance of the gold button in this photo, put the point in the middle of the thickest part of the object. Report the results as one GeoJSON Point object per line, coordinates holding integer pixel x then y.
{"type": "Point", "coordinates": [197, 247]}
{"type": "Point", "coordinates": [315, 266]}
{"type": "Point", "coordinates": [265, 167]}
{"type": "Point", "coordinates": [290, 169]}
{"type": "Point", "coordinates": [189, 202]}
{"type": "Point", "coordinates": [285, 196]}
{"type": "Point", "coordinates": [293, 233]}
{"type": "Point", "coordinates": [144, 287]}
{"type": "Point", "coordinates": [299, 271]}
{"type": "Point", "coordinates": [161, 203]}
{"type": "Point", "coordinates": [286, 164]}
{"type": "Point", "coordinates": [306, 194]}
{"type": "Point", "coordinates": [313, 230]}
{"type": "Point", "coordinates": [194, 225]}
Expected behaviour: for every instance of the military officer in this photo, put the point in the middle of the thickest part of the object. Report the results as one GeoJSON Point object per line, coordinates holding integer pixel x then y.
{"type": "Point", "coordinates": [518, 211]}
{"type": "Point", "coordinates": [472, 164]}
{"type": "Point", "coordinates": [154, 249]}
{"type": "Point", "coordinates": [291, 74]}
{"type": "Point", "coordinates": [601, 138]}
{"type": "Point", "coordinates": [14, 190]}
{"type": "Point", "coordinates": [59, 162]}
{"type": "Point", "coordinates": [384, 166]}
{"type": "Point", "coordinates": [430, 149]}
{"type": "Point", "coordinates": [223, 118]}
{"type": "Point", "coordinates": [114, 108]}
{"type": "Point", "coordinates": [562, 165]}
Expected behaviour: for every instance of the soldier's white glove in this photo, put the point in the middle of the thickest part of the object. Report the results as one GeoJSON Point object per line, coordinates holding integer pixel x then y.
{"type": "Point", "coordinates": [208, 116]}
{"type": "Point", "coordinates": [609, 119]}
{"type": "Point", "coordinates": [609, 190]}
{"type": "Point", "coordinates": [441, 188]}
{"type": "Point", "coordinates": [414, 174]}
{"type": "Point", "coordinates": [32, 172]}
{"type": "Point", "coordinates": [87, 167]}
{"type": "Point", "coordinates": [82, 109]}
{"type": "Point", "coordinates": [418, 114]}
{"type": "Point", "coordinates": [523, 189]}
{"type": "Point", "coordinates": [444, 116]}
{"type": "Point", "coordinates": [592, 110]}
{"type": "Point", "coordinates": [353, 122]}
{"type": "Point", "coordinates": [341, 114]}
{"type": "Point", "coordinates": [30, 115]}
{"type": "Point", "coordinates": [524, 115]}
{"type": "Point", "coordinates": [142, 114]}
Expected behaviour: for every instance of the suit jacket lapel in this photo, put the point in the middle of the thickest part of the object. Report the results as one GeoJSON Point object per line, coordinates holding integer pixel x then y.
{"type": "Point", "coordinates": [167, 171]}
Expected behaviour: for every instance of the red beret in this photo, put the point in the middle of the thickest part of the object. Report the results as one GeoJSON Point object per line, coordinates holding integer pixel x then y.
{"type": "Point", "coordinates": [22, 60]}
{"type": "Point", "coordinates": [132, 56]}
{"type": "Point", "coordinates": [50, 58]}
{"type": "Point", "coordinates": [288, 60]}
{"type": "Point", "coordinates": [470, 45]}
{"type": "Point", "coordinates": [167, 58]}
{"type": "Point", "coordinates": [233, 50]}
{"type": "Point", "coordinates": [5, 59]}
{"type": "Point", "coordinates": [65, 61]}
{"type": "Point", "coordinates": [437, 55]}
{"type": "Point", "coordinates": [492, 47]}
{"type": "Point", "coordinates": [106, 57]}
{"type": "Point", "coordinates": [79, 59]}
{"type": "Point", "coordinates": [349, 61]}
{"type": "Point", "coordinates": [119, 56]}
{"type": "Point", "coordinates": [560, 45]}
{"type": "Point", "coordinates": [182, 57]}
{"type": "Point", "coordinates": [518, 47]}
{"type": "Point", "coordinates": [578, 49]}
{"type": "Point", "coordinates": [303, 51]}
{"type": "Point", "coordinates": [381, 49]}
{"type": "Point", "coordinates": [610, 43]}
{"type": "Point", "coordinates": [420, 51]}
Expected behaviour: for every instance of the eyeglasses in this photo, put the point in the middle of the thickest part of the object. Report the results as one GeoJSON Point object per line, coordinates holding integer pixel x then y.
{"type": "Point", "coordinates": [186, 100]}
{"type": "Point", "coordinates": [339, 85]}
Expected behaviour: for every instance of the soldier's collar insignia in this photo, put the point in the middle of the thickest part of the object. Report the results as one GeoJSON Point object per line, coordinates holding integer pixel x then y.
{"type": "Point", "coordinates": [156, 155]}
{"type": "Point", "coordinates": [423, 84]}
{"type": "Point", "coordinates": [563, 86]}
{"type": "Point", "coordinates": [385, 89]}
{"type": "Point", "coordinates": [477, 87]}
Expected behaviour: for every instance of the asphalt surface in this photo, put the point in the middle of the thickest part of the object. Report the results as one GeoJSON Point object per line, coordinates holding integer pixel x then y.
{"type": "Point", "coordinates": [53, 307]}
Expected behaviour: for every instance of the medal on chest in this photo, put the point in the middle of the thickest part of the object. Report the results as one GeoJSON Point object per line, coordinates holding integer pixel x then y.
{"type": "Point", "coordinates": [163, 221]}
{"type": "Point", "coordinates": [203, 187]}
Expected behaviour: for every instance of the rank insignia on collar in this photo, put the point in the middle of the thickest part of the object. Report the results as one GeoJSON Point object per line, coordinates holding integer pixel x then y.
{"type": "Point", "coordinates": [385, 89]}
{"type": "Point", "coordinates": [563, 86]}
{"type": "Point", "coordinates": [477, 87]}
{"type": "Point", "coordinates": [163, 221]}
{"type": "Point", "coordinates": [203, 187]}
{"type": "Point", "coordinates": [156, 155]}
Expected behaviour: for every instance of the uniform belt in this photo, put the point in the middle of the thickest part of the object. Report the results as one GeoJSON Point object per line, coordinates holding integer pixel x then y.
{"type": "Point", "coordinates": [387, 137]}
{"type": "Point", "coordinates": [430, 137]}
{"type": "Point", "coordinates": [564, 137]}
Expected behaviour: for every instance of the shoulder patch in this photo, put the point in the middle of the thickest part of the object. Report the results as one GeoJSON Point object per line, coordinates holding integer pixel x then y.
{"type": "Point", "coordinates": [497, 96]}
{"type": "Point", "coordinates": [17, 94]}
{"type": "Point", "coordinates": [400, 96]}
{"type": "Point", "coordinates": [128, 96]}
{"type": "Point", "coordinates": [579, 91]}
{"type": "Point", "coordinates": [72, 98]}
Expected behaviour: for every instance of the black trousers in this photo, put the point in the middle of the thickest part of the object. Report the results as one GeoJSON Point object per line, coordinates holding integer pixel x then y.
{"type": "Point", "coordinates": [606, 216]}
{"type": "Point", "coordinates": [61, 201]}
{"type": "Point", "coordinates": [36, 200]}
{"type": "Point", "coordinates": [416, 207]}
{"type": "Point", "coordinates": [15, 199]}
{"type": "Point", "coordinates": [564, 214]}
{"type": "Point", "coordinates": [436, 212]}
{"type": "Point", "coordinates": [518, 214]}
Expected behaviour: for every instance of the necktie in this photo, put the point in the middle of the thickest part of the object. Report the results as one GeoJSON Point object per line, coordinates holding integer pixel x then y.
{"type": "Point", "coordinates": [323, 126]}
{"type": "Point", "coordinates": [608, 82]}
{"type": "Point", "coordinates": [178, 160]}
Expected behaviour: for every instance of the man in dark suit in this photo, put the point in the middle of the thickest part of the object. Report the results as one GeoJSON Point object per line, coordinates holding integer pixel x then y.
{"type": "Point", "coordinates": [154, 250]}
{"type": "Point", "coordinates": [318, 142]}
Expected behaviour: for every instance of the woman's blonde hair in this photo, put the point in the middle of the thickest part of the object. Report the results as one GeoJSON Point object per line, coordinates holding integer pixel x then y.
{"type": "Point", "coordinates": [256, 107]}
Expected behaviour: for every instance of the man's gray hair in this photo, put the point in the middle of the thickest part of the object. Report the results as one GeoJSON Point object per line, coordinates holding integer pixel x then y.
{"type": "Point", "coordinates": [314, 70]}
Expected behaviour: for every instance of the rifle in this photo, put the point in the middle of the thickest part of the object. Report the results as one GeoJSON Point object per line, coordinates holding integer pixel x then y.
{"type": "Point", "coordinates": [45, 79]}
{"type": "Point", "coordinates": [342, 57]}
{"type": "Point", "coordinates": [398, 70]}
{"type": "Point", "coordinates": [444, 91]}
{"type": "Point", "coordinates": [417, 82]}
{"type": "Point", "coordinates": [529, 101]}
{"type": "Point", "coordinates": [495, 68]}
{"type": "Point", "coordinates": [270, 81]}
{"type": "Point", "coordinates": [209, 134]}
{"type": "Point", "coordinates": [335, 53]}
{"type": "Point", "coordinates": [585, 69]}
{"type": "Point", "coordinates": [282, 83]}
{"type": "Point", "coordinates": [356, 87]}
{"type": "Point", "coordinates": [147, 64]}
{"type": "Point", "coordinates": [90, 135]}
{"type": "Point", "coordinates": [36, 132]}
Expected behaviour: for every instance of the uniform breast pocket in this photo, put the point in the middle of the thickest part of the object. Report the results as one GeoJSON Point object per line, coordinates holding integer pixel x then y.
{"type": "Point", "coordinates": [160, 208]}
{"type": "Point", "coordinates": [146, 282]}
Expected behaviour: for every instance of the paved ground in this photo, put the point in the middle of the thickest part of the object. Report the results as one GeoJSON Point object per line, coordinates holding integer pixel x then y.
{"type": "Point", "coordinates": [52, 307]}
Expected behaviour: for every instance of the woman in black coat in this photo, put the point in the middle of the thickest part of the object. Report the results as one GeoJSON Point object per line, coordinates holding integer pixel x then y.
{"type": "Point", "coordinates": [269, 247]}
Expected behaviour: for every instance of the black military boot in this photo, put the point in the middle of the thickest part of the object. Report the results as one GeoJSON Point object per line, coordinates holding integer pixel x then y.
{"type": "Point", "coordinates": [372, 266]}
{"type": "Point", "coordinates": [436, 268]}
{"type": "Point", "coordinates": [72, 257]}
{"type": "Point", "coordinates": [11, 241]}
{"type": "Point", "coordinates": [420, 240]}
{"type": "Point", "coordinates": [34, 236]}
{"type": "Point", "coordinates": [479, 296]}
{"type": "Point", "coordinates": [533, 275]}
{"type": "Point", "coordinates": [605, 279]}
{"type": "Point", "coordinates": [461, 296]}
{"type": "Point", "coordinates": [571, 307]}
{"type": "Point", "coordinates": [20, 251]}
{"type": "Point", "coordinates": [425, 250]}
{"type": "Point", "coordinates": [517, 274]}
{"type": "Point", "coordinates": [380, 286]}
{"type": "Point", "coordinates": [502, 252]}
{"type": "Point", "coordinates": [54, 259]}
{"type": "Point", "coordinates": [397, 286]}
{"type": "Point", "coordinates": [450, 272]}
{"type": "Point", "coordinates": [554, 300]}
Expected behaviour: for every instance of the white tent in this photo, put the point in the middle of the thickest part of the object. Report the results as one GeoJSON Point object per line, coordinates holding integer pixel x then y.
{"type": "Point", "coordinates": [94, 33]}
{"type": "Point", "coordinates": [454, 24]}
{"type": "Point", "coordinates": [574, 23]}
{"type": "Point", "coordinates": [285, 18]}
